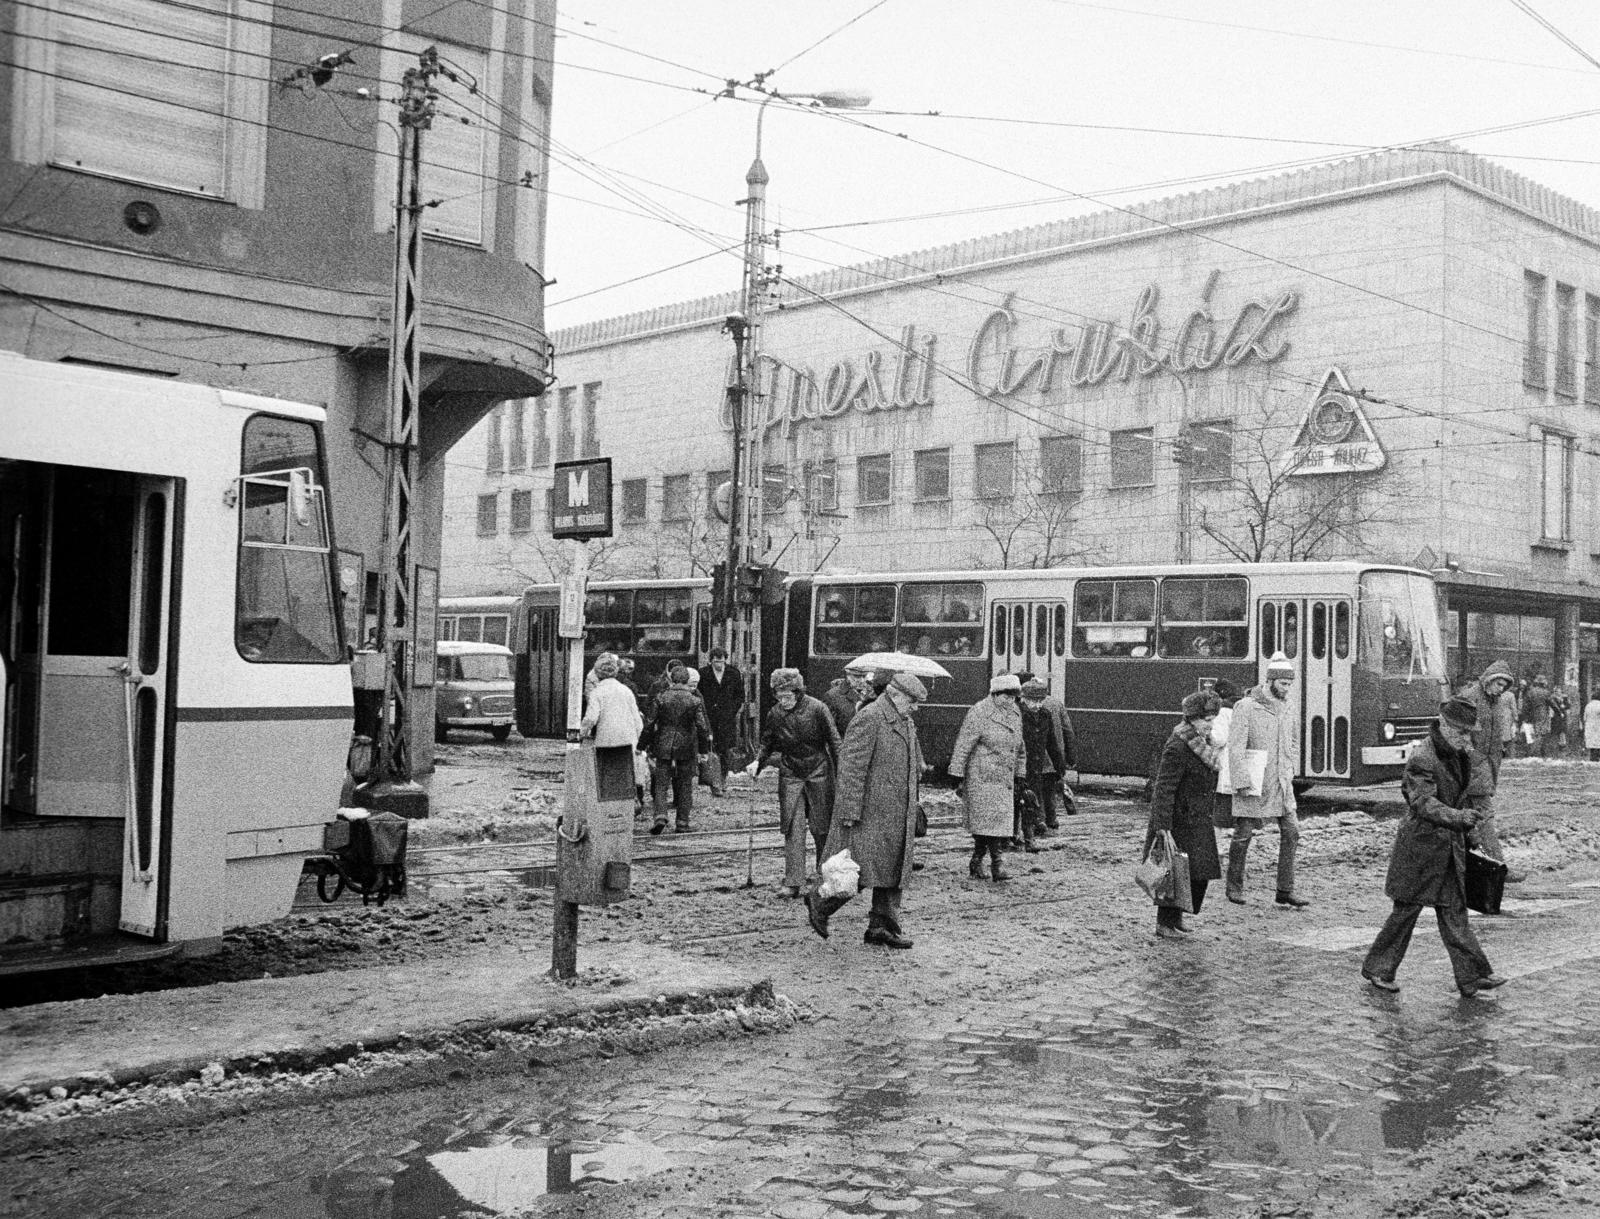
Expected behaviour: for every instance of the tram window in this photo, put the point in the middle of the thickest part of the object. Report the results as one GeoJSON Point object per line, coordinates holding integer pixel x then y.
{"type": "Point", "coordinates": [662, 616]}
{"type": "Point", "coordinates": [1319, 630]}
{"type": "Point", "coordinates": [1291, 630]}
{"type": "Point", "coordinates": [941, 619]}
{"type": "Point", "coordinates": [1205, 617]}
{"type": "Point", "coordinates": [285, 608]}
{"type": "Point", "coordinates": [855, 618]}
{"type": "Point", "coordinates": [1341, 630]}
{"type": "Point", "coordinates": [1114, 618]}
{"type": "Point", "coordinates": [1060, 640]}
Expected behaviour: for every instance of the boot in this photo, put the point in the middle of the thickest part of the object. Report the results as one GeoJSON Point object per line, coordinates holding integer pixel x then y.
{"type": "Point", "coordinates": [975, 864]}
{"type": "Point", "coordinates": [1236, 855]}
{"type": "Point", "coordinates": [820, 909]}
{"type": "Point", "coordinates": [996, 871]}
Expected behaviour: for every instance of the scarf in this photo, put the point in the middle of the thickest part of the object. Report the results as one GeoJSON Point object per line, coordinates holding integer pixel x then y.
{"type": "Point", "coordinates": [1201, 744]}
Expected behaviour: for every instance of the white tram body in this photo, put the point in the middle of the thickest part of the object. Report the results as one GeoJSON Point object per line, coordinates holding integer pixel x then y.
{"type": "Point", "coordinates": [177, 693]}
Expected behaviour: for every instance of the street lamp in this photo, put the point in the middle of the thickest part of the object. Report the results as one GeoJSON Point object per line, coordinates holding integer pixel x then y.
{"type": "Point", "coordinates": [744, 508]}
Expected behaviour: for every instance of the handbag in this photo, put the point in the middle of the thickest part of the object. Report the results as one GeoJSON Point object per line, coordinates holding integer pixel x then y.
{"type": "Point", "coordinates": [1164, 874]}
{"type": "Point", "coordinates": [711, 771]}
{"type": "Point", "coordinates": [921, 830]}
{"type": "Point", "coordinates": [1485, 883]}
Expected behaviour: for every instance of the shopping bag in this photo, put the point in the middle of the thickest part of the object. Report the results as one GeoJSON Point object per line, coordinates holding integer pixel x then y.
{"type": "Point", "coordinates": [1153, 867]}
{"type": "Point", "coordinates": [1164, 874]}
{"type": "Point", "coordinates": [1175, 891]}
{"type": "Point", "coordinates": [1255, 764]}
{"type": "Point", "coordinates": [921, 829]}
{"type": "Point", "coordinates": [711, 772]}
{"type": "Point", "coordinates": [1485, 883]}
{"type": "Point", "coordinates": [841, 876]}
{"type": "Point", "coordinates": [641, 768]}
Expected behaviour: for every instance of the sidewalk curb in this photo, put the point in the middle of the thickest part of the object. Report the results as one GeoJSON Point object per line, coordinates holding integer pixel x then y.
{"type": "Point", "coordinates": [579, 1028]}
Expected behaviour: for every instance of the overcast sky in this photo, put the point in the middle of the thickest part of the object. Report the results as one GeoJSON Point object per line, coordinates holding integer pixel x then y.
{"type": "Point", "coordinates": [1046, 108]}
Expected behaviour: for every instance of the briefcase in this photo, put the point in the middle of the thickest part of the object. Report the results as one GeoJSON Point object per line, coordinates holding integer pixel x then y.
{"type": "Point", "coordinates": [1486, 883]}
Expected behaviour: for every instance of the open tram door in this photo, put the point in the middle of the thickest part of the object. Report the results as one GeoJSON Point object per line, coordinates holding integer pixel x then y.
{"type": "Point", "coordinates": [1317, 634]}
{"type": "Point", "coordinates": [91, 552]}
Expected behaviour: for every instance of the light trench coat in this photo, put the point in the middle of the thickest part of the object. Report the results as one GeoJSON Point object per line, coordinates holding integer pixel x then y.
{"type": "Point", "coordinates": [1261, 722]}
{"type": "Point", "coordinates": [989, 754]}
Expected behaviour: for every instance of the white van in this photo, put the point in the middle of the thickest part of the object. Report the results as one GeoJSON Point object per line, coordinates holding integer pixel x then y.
{"type": "Point", "coordinates": [473, 689]}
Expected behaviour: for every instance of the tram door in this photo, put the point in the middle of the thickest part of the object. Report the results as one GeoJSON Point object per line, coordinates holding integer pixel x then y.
{"type": "Point", "coordinates": [103, 667]}
{"type": "Point", "coordinates": [1030, 636]}
{"type": "Point", "coordinates": [1315, 633]}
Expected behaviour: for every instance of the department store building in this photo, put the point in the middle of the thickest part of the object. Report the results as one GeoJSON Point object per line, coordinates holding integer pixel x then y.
{"type": "Point", "coordinates": [1394, 357]}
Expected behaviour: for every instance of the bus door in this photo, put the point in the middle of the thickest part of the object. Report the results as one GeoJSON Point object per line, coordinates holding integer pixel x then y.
{"type": "Point", "coordinates": [1315, 633]}
{"type": "Point", "coordinates": [104, 666]}
{"type": "Point", "coordinates": [542, 676]}
{"type": "Point", "coordinates": [1030, 636]}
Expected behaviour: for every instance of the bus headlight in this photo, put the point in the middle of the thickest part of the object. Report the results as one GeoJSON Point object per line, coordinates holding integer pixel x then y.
{"type": "Point", "coordinates": [1388, 731]}
{"type": "Point", "coordinates": [466, 706]}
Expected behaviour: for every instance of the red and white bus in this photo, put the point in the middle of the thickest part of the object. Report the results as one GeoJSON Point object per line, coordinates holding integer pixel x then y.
{"type": "Point", "coordinates": [1123, 645]}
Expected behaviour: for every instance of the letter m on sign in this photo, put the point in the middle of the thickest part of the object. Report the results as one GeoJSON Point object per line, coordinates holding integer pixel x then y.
{"type": "Point", "coordinates": [580, 499]}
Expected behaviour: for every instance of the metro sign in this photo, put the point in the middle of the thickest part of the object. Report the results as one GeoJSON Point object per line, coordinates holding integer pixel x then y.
{"type": "Point", "coordinates": [580, 500]}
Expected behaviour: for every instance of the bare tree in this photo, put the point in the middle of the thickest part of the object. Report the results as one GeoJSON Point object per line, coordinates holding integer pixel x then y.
{"type": "Point", "coordinates": [1033, 527]}
{"type": "Point", "coordinates": [1267, 508]}
{"type": "Point", "coordinates": [552, 559]}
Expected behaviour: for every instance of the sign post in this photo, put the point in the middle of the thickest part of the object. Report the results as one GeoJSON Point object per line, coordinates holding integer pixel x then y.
{"type": "Point", "coordinates": [593, 842]}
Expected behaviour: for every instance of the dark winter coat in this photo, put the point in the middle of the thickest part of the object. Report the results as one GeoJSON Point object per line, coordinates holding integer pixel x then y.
{"type": "Point", "coordinates": [723, 700]}
{"type": "Point", "coordinates": [875, 795]}
{"type": "Point", "coordinates": [804, 737]}
{"type": "Point", "coordinates": [840, 699]}
{"type": "Point", "coordinates": [1181, 805]}
{"type": "Point", "coordinates": [1041, 734]}
{"type": "Point", "coordinates": [1496, 716]}
{"type": "Point", "coordinates": [1444, 789]}
{"type": "Point", "coordinates": [678, 729]}
{"type": "Point", "coordinates": [1069, 738]}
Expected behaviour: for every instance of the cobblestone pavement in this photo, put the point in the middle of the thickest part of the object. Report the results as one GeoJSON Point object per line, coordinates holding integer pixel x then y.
{"type": "Point", "coordinates": [1037, 1054]}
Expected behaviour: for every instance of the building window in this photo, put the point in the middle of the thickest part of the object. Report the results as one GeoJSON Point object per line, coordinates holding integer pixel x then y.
{"type": "Point", "coordinates": [875, 479]}
{"type": "Point", "coordinates": [488, 515]}
{"type": "Point", "coordinates": [822, 485]}
{"type": "Point", "coordinates": [774, 490]}
{"type": "Point", "coordinates": [541, 432]}
{"type": "Point", "coordinates": [170, 95]}
{"type": "Point", "coordinates": [1591, 349]}
{"type": "Point", "coordinates": [1133, 458]}
{"type": "Point", "coordinates": [994, 470]}
{"type": "Point", "coordinates": [566, 404]}
{"type": "Point", "coordinates": [1533, 356]}
{"type": "Point", "coordinates": [1061, 465]}
{"type": "Point", "coordinates": [1566, 353]}
{"type": "Point", "coordinates": [714, 480]}
{"type": "Point", "coordinates": [1558, 454]}
{"type": "Point", "coordinates": [521, 511]}
{"type": "Point", "coordinates": [1211, 451]}
{"type": "Point", "coordinates": [495, 458]}
{"type": "Point", "coordinates": [675, 496]}
{"type": "Point", "coordinates": [517, 449]}
{"type": "Point", "coordinates": [931, 469]}
{"type": "Point", "coordinates": [635, 493]}
{"type": "Point", "coordinates": [591, 419]}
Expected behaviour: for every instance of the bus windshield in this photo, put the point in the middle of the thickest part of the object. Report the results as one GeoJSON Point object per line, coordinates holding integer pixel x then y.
{"type": "Point", "coordinates": [1399, 627]}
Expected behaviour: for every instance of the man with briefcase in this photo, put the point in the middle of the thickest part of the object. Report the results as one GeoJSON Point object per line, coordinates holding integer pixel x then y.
{"type": "Point", "coordinates": [1447, 787]}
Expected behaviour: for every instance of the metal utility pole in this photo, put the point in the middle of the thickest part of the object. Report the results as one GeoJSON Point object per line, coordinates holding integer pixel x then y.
{"type": "Point", "coordinates": [396, 617]}
{"type": "Point", "coordinates": [1183, 458]}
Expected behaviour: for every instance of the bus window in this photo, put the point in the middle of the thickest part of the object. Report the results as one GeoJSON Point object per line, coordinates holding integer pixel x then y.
{"type": "Point", "coordinates": [1041, 630]}
{"type": "Point", "coordinates": [702, 626]}
{"type": "Point", "coordinates": [496, 628]}
{"type": "Point", "coordinates": [286, 611]}
{"type": "Point", "coordinates": [1341, 630]}
{"type": "Point", "coordinates": [1061, 631]}
{"type": "Point", "coordinates": [941, 619]}
{"type": "Point", "coordinates": [608, 620]}
{"type": "Point", "coordinates": [1319, 630]}
{"type": "Point", "coordinates": [998, 631]}
{"type": "Point", "coordinates": [1019, 631]}
{"type": "Point", "coordinates": [1291, 630]}
{"type": "Point", "coordinates": [1114, 618]}
{"type": "Point", "coordinates": [1398, 626]}
{"type": "Point", "coordinates": [1269, 628]}
{"type": "Point", "coordinates": [661, 620]}
{"type": "Point", "coordinates": [1205, 617]}
{"type": "Point", "coordinates": [855, 618]}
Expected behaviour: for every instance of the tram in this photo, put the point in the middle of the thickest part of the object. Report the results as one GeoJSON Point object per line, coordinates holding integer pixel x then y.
{"type": "Point", "coordinates": [176, 685]}
{"type": "Point", "coordinates": [1123, 645]}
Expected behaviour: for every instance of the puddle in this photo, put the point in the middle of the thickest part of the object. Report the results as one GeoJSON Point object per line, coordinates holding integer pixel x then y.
{"type": "Point", "coordinates": [496, 1173]}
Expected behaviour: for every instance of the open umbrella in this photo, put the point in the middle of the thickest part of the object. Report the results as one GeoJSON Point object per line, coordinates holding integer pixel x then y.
{"type": "Point", "coordinates": [897, 662]}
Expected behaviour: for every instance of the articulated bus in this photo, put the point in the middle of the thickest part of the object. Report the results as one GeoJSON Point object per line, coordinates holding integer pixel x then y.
{"type": "Point", "coordinates": [651, 622]}
{"type": "Point", "coordinates": [1123, 645]}
{"type": "Point", "coordinates": [176, 687]}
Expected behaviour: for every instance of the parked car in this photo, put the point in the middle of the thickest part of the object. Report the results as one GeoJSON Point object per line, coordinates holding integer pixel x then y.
{"type": "Point", "coordinates": [473, 689]}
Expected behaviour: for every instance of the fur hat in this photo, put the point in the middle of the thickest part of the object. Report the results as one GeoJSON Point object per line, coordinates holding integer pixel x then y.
{"type": "Point", "coordinates": [1459, 712]}
{"type": "Point", "coordinates": [1225, 690]}
{"type": "Point", "coordinates": [1200, 704]}
{"type": "Point", "coordinates": [907, 684]}
{"type": "Point", "coordinates": [1005, 683]}
{"type": "Point", "coordinates": [1279, 666]}
{"type": "Point", "coordinates": [787, 679]}
{"type": "Point", "coordinates": [1034, 687]}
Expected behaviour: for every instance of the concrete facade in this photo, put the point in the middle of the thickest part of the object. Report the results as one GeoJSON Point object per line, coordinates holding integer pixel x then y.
{"type": "Point", "coordinates": [275, 275]}
{"type": "Point", "coordinates": [1437, 285]}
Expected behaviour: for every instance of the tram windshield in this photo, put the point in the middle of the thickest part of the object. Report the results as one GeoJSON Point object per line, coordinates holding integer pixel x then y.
{"type": "Point", "coordinates": [1399, 627]}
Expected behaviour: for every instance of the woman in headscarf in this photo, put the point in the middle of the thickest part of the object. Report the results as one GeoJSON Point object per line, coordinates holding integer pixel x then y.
{"type": "Point", "coordinates": [986, 760]}
{"type": "Point", "coordinates": [1186, 783]}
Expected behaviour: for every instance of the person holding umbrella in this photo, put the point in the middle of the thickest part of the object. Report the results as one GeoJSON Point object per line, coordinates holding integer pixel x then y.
{"type": "Point", "coordinates": [987, 759]}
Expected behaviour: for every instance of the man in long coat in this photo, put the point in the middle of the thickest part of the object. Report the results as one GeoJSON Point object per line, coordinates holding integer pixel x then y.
{"type": "Point", "coordinates": [1444, 781]}
{"type": "Point", "coordinates": [1264, 724]}
{"type": "Point", "coordinates": [875, 809]}
{"type": "Point", "coordinates": [722, 690]}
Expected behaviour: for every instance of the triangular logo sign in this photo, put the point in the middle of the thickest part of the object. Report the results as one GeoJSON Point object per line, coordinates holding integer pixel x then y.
{"type": "Point", "coordinates": [1335, 437]}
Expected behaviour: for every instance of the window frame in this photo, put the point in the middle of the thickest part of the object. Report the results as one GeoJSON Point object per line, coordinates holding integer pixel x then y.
{"type": "Point", "coordinates": [491, 501]}
{"type": "Point", "coordinates": [1566, 446]}
{"type": "Point", "coordinates": [1198, 472]}
{"type": "Point", "coordinates": [1065, 442]}
{"type": "Point", "coordinates": [671, 513]}
{"type": "Point", "coordinates": [1566, 378]}
{"type": "Point", "coordinates": [630, 487]}
{"type": "Point", "coordinates": [982, 454]}
{"type": "Point", "coordinates": [918, 458]}
{"type": "Point", "coordinates": [1535, 352]}
{"type": "Point", "coordinates": [521, 511]}
{"type": "Point", "coordinates": [1148, 435]}
{"type": "Point", "coordinates": [862, 481]}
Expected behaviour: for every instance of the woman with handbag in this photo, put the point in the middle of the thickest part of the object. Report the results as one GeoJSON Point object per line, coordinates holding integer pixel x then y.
{"type": "Point", "coordinates": [988, 758]}
{"type": "Point", "coordinates": [1186, 783]}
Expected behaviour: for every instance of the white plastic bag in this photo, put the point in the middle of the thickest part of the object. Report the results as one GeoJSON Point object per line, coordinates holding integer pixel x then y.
{"type": "Point", "coordinates": [841, 876]}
